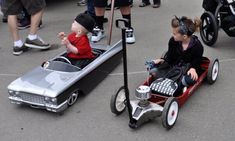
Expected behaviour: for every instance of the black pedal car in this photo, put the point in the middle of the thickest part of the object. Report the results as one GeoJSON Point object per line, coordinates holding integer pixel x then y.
{"type": "Point", "coordinates": [218, 14]}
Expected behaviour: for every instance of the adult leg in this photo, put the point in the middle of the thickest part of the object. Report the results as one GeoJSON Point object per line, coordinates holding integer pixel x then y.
{"type": "Point", "coordinates": [13, 7]}
{"type": "Point", "coordinates": [24, 21]}
{"type": "Point", "coordinates": [35, 20]}
{"type": "Point", "coordinates": [144, 3]}
{"type": "Point", "coordinates": [98, 32]}
{"type": "Point", "coordinates": [12, 24]}
{"type": "Point", "coordinates": [126, 14]}
{"type": "Point", "coordinates": [91, 8]}
{"type": "Point", "coordinates": [156, 3]}
{"type": "Point", "coordinates": [35, 9]}
{"type": "Point", "coordinates": [99, 12]}
{"type": "Point", "coordinates": [3, 8]}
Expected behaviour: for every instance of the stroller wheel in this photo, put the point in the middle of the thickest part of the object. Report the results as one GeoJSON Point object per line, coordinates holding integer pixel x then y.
{"type": "Point", "coordinates": [209, 28]}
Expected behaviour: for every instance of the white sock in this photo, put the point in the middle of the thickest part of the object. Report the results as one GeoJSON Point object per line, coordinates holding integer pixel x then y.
{"type": "Point", "coordinates": [32, 37]}
{"type": "Point", "coordinates": [18, 43]}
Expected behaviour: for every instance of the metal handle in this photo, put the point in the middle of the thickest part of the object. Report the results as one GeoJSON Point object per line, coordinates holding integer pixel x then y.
{"type": "Point", "coordinates": [118, 21]}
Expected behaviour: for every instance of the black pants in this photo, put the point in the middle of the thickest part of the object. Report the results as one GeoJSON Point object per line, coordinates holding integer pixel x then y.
{"type": "Point", "coordinates": [175, 73]}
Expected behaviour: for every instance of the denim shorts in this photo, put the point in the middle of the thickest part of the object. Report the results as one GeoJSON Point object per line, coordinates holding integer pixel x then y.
{"type": "Point", "coordinates": [14, 7]}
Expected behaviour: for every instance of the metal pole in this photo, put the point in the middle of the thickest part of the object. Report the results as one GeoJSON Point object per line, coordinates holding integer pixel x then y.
{"type": "Point", "coordinates": [111, 22]}
{"type": "Point", "coordinates": [125, 74]}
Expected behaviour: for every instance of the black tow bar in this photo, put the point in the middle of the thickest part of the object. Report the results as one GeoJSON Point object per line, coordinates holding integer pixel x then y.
{"type": "Point", "coordinates": [132, 121]}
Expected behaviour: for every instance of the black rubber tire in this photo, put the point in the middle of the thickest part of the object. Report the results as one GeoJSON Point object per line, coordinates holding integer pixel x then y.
{"type": "Point", "coordinates": [113, 100]}
{"type": "Point", "coordinates": [211, 71]}
{"type": "Point", "coordinates": [209, 27]}
{"type": "Point", "coordinates": [165, 112]}
{"type": "Point", "coordinates": [73, 98]}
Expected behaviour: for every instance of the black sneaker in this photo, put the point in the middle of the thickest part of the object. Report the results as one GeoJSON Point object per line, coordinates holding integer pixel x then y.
{"type": "Point", "coordinates": [36, 43]}
{"type": "Point", "coordinates": [4, 19]}
{"type": "Point", "coordinates": [156, 3]}
{"type": "Point", "coordinates": [105, 20]}
{"type": "Point", "coordinates": [23, 24]}
{"type": "Point", "coordinates": [143, 4]}
{"type": "Point", "coordinates": [40, 25]}
{"type": "Point", "coordinates": [19, 50]}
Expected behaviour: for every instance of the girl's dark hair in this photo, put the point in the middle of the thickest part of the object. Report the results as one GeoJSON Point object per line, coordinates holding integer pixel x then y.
{"type": "Point", "coordinates": [186, 25]}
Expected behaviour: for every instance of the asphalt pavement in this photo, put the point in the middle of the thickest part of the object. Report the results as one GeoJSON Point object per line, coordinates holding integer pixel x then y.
{"type": "Point", "coordinates": [207, 115]}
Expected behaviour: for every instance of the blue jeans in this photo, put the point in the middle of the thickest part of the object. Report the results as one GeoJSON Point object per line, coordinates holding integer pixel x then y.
{"type": "Point", "coordinates": [91, 8]}
{"type": "Point", "coordinates": [187, 80]}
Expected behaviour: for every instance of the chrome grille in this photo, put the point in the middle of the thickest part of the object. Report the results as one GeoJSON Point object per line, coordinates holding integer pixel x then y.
{"type": "Point", "coordinates": [32, 98]}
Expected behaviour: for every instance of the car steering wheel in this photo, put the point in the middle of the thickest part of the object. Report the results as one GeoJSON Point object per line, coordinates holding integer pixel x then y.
{"type": "Point", "coordinates": [63, 59]}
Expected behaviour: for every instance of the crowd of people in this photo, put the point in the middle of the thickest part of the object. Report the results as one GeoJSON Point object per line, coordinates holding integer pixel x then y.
{"type": "Point", "coordinates": [22, 14]}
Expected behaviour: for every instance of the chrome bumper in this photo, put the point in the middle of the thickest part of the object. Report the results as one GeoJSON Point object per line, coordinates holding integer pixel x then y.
{"type": "Point", "coordinates": [47, 106]}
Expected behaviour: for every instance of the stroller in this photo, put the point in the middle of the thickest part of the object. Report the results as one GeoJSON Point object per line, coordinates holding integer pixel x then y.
{"type": "Point", "coordinates": [218, 14]}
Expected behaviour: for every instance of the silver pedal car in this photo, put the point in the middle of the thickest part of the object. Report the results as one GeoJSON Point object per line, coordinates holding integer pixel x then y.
{"type": "Point", "coordinates": [56, 84]}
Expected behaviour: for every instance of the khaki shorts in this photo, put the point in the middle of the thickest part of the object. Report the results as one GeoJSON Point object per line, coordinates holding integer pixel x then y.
{"type": "Point", "coordinates": [14, 7]}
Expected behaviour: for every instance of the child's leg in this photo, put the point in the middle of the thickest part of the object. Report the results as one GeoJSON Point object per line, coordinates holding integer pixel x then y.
{"type": "Point", "coordinates": [187, 81]}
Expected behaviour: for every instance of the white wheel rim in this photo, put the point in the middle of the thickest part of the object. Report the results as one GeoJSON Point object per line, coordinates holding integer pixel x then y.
{"type": "Point", "coordinates": [172, 113]}
{"type": "Point", "coordinates": [120, 99]}
{"type": "Point", "coordinates": [215, 71]}
{"type": "Point", "coordinates": [73, 98]}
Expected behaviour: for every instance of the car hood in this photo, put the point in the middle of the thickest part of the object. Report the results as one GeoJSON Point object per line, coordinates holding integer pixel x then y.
{"type": "Point", "coordinates": [43, 82]}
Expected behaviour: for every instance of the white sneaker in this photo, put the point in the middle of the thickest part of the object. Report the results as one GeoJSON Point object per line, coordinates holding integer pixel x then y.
{"type": "Point", "coordinates": [97, 34]}
{"type": "Point", "coordinates": [130, 38]}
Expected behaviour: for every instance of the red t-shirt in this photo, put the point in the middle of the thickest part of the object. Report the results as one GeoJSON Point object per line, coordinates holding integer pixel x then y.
{"type": "Point", "coordinates": [83, 46]}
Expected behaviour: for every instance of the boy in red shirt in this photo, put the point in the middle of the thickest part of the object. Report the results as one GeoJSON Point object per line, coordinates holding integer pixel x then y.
{"type": "Point", "coordinates": [77, 42]}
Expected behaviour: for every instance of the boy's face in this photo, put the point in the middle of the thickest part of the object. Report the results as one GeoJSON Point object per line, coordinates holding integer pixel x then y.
{"type": "Point", "coordinates": [177, 36]}
{"type": "Point", "coordinates": [76, 27]}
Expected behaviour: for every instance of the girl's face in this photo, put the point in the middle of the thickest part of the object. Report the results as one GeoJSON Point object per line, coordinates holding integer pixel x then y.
{"type": "Point", "coordinates": [76, 27]}
{"type": "Point", "coordinates": [177, 36]}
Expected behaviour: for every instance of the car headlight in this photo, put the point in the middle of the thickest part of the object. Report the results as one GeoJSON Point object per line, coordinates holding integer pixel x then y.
{"type": "Point", "coordinates": [47, 98]}
{"type": "Point", "coordinates": [51, 100]}
{"type": "Point", "coordinates": [13, 93]}
{"type": "Point", "coordinates": [54, 100]}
